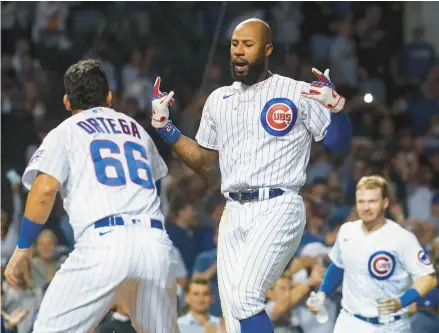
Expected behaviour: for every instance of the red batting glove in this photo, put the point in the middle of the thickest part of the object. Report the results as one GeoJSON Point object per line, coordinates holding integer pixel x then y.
{"type": "Point", "coordinates": [323, 91]}
{"type": "Point", "coordinates": [161, 101]}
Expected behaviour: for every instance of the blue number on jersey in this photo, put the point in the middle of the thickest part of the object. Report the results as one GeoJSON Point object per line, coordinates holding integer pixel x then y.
{"type": "Point", "coordinates": [134, 165]}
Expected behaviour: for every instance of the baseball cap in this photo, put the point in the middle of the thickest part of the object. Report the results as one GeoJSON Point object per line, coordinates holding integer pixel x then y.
{"type": "Point", "coordinates": [429, 300]}
{"type": "Point", "coordinates": [315, 249]}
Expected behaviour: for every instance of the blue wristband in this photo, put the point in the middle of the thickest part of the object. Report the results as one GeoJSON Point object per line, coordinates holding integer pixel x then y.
{"type": "Point", "coordinates": [409, 297]}
{"type": "Point", "coordinates": [169, 133]}
{"type": "Point", "coordinates": [332, 280]}
{"type": "Point", "coordinates": [28, 233]}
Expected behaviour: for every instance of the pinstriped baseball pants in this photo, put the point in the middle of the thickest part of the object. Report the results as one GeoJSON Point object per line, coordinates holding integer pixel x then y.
{"type": "Point", "coordinates": [255, 243]}
{"type": "Point", "coordinates": [129, 265]}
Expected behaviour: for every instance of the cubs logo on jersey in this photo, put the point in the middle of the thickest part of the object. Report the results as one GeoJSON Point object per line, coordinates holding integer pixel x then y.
{"type": "Point", "coordinates": [423, 258]}
{"type": "Point", "coordinates": [279, 116]}
{"type": "Point", "coordinates": [381, 265]}
{"type": "Point", "coordinates": [36, 156]}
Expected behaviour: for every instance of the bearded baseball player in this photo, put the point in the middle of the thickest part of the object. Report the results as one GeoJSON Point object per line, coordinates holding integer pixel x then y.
{"type": "Point", "coordinates": [106, 167]}
{"type": "Point", "coordinates": [382, 266]}
{"type": "Point", "coordinates": [261, 129]}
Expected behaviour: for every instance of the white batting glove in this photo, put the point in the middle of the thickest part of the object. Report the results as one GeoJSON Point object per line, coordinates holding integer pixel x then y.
{"type": "Point", "coordinates": [316, 301]}
{"type": "Point", "coordinates": [161, 101]}
{"type": "Point", "coordinates": [323, 91]}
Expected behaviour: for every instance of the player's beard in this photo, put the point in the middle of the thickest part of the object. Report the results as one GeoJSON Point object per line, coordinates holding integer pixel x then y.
{"type": "Point", "coordinates": [254, 72]}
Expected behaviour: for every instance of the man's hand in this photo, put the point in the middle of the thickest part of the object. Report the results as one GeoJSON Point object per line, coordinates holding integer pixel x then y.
{"type": "Point", "coordinates": [160, 105]}
{"type": "Point", "coordinates": [389, 305]}
{"type": "Point", "coordinates": [17, 271]}
{"type": "Point", "coordinates": [323, 91]}
{"type": "Point", "coordinates": [315, 302]}
{"type": "Point", "coordinates": [316, 276]}
{"type": "Point", "coordinates": [15, 317]}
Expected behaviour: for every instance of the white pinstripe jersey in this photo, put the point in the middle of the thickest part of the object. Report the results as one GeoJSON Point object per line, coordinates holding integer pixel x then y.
{"type": "Point", "coordinates": [106, 163]}
{"type": "Point", "coordinates": [263, 133]}
{"type": "Point", "coordinates": [377, 265]}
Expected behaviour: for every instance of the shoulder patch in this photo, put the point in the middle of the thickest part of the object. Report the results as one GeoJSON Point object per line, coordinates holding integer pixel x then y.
{"type": "Point", "coordinates": [423, 258]}
{"type": "Point", "coordinates": [36, 156]}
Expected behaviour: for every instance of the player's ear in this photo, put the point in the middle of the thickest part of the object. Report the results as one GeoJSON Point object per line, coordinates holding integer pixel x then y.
{"type": "Point", "coordinates": [386, 203]}
{"type": "Point", "coordinates": [67, 103]}
{"type": "Point", "coordinates": [268, 49]}
{"type": "Point", "coordinates": [109, 98]}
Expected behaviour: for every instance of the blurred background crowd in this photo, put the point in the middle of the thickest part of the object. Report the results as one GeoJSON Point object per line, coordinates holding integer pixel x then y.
{"type": "Point", "coordinates": [390, 79]}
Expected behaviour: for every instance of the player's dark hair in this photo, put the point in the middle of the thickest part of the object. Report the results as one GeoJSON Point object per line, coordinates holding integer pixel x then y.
{"type": "Point", "coordinates": [86, 85]}
{"type": "Point", "coordinates": [203, 282]}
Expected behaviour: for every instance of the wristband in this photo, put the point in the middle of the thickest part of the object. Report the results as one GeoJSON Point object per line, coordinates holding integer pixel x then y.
{"type": "Point", "coordinates": [409, 297]}
{"type": "Point", "coordinates": [28, 233]}
{"type": "Point", "coordinates": [169, 133]}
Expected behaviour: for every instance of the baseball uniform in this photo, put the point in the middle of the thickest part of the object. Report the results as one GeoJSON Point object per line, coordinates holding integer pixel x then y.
{"type": "Point", "coordinates": [263, 134]}
{"type": "Point", "coordinates": [377, 265]}
{"type": "Point", "coordinates": [107, 166]}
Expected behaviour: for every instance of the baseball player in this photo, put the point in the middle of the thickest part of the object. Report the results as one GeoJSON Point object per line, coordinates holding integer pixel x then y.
{"type": "Point", "coordinates": [261, 129]}
{"type": "Point", "coordinates": [105, 166]}
{"type": "Point", "coordinates": [381, 265]}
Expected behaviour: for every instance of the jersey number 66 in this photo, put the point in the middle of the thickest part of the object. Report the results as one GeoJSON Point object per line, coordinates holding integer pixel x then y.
{"type": "Point", "coordinates": [134, 165]}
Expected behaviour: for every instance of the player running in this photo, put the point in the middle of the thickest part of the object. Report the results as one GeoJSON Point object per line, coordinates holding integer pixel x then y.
{"type": "Point", "coordinates": [381, 265]}
{"type": "Point", "coordinates": [261, 129]}
{"type": "Point", "coordinates": [105, 166]}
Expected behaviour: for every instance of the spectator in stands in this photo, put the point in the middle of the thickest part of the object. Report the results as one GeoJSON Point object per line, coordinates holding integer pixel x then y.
{"type": "Point", "coordinates": [133, 69]}
{"type": "Point", "coordinates": [426, 318]}
{"type": "Point", "coordinates": [416, 59]}
{"type": "Point", "coordinates": [181, 230]}
{"type": "Point", "coordinates": [198, 319]}
{"type": "Point", "coordinates": [285, 295]}
{"type": "Point", "coordinates": [205, 269]}
{"type": "Point", "coordinates": [10, 221]}
{"type": "Point", "coordinates": [343, 57]}
{"type": "Point", "coordinates": [44, 264]}
{"type": "Point", "coordinates": [50, 25]}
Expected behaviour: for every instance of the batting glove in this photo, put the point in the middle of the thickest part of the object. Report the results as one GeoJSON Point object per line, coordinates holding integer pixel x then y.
{"type": "Point", "coordinates": [323, 91]}
{"type": "Point", "coordinates": [161, 101]}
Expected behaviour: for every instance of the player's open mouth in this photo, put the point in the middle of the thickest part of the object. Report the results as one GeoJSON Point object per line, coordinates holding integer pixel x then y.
{"type": "Point", "coordinates": [240, 67]}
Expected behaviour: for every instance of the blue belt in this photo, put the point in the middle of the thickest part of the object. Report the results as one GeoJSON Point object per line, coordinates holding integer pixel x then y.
{"type": "Point", "coordinates": [253, 195]}
{"type": "Point", "coordinates": [118, 220]}
{"type": "Point", "coordinates": [374, 320]}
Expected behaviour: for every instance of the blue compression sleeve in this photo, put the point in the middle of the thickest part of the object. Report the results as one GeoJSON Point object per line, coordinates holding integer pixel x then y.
{"type": "Point", "coordinates": [169, 133]}
{"type": "Point", "coordinates": [28, 233]}
{"type": "Point", "coordinates": [338, 133]}
{"type": "Point", "coordinates": [409, 297]}
{"type": "Point", "coordinates": [332, 280]}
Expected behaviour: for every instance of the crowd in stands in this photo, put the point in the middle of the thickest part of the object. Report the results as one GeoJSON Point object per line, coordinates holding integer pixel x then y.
{"type": "Point", "coordinates": [393, 90]}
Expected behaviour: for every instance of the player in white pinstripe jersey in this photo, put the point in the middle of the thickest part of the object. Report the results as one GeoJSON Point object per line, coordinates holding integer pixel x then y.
{"type": "Point", "coordinates": [261, 129]}
{"type": "Point", "coordinates": [105, 166]}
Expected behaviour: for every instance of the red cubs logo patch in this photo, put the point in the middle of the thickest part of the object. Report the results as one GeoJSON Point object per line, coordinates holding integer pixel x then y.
{"type": "Point", "coordinates": [381, 265]}
{"type": "Point", "coordinates": [279, 116]}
